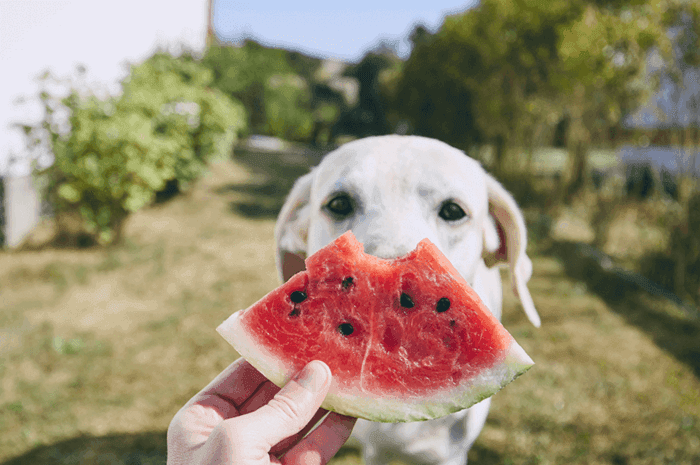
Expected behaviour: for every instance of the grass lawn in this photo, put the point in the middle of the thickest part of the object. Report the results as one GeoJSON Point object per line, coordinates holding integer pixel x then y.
{"type": "Point", "coordinates": [99, 348]}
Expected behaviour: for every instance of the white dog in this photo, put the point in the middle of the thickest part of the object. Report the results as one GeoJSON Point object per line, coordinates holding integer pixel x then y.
{"type": "Point", "coordinates": [393, 191]}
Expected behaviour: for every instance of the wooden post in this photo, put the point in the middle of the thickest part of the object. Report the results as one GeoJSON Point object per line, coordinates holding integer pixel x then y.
{"type": "Point", "coordinates": [211, 36]}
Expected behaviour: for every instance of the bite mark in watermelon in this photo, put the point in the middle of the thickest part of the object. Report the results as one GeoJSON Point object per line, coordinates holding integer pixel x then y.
{"type": "Point", "coordinates": [406, 339]}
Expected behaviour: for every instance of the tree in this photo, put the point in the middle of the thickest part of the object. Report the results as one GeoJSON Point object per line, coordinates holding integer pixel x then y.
{"type": "Point", "coordinates": [286, 100]}
{"type": "Point", "coordinates": [369, 117]}
{"type": "Point", "coordinates": [273, 84]}
{"type": "Point", "coordinates": [603, 73]}
{"type": "Point", "coordinates": [484, 74]}
{"type": "Point", "coordinates": [505, 70]}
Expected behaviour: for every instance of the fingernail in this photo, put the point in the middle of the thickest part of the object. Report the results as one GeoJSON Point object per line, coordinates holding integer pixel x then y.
{"type": "Point", "coordinates": [314, 376]}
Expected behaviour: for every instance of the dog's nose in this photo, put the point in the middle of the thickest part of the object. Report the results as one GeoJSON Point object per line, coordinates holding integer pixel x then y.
{"type": "Point", "coordinates": [384, 248]}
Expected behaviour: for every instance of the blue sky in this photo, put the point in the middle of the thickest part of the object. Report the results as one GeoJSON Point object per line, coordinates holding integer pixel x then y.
{"type": "Point", "coordinates": [343, 30]}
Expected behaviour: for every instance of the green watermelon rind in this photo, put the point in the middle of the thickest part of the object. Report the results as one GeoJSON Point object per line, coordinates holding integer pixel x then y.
{"type": "Point", "coordinates": [374, 407]}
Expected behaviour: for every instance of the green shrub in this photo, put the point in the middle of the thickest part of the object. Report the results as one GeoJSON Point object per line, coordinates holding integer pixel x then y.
{"type": "Point", "coordinates": [272, 83]}
{"type": "Point", "coordinates": [241, 72]}
{"type": "Point", "coordinates": [117, 153]}
{"type": "Point", "coordinates": [678, 267]}
{"type": "Point", "coordinates": [286, 102]}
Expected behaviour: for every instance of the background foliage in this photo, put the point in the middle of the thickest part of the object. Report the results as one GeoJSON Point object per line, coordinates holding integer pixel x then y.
{"type": "Point", "coordinates": [501, 81]}
{"type": "Point", "coordinates": [273, 84]}
{"type": "Point", "coordinates": [101, 346]}
{"type": "Point", "coordinates": [506, 72]}
{"type": "Point", "coordinates": [113, 155]}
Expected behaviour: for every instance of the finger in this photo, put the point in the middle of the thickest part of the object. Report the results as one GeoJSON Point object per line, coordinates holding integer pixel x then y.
{"type": "Point", "coordinates": [316, 418]}
{"type": "Point", "coordinates": [264, 394]}
{"type": "Point", "coordinates": [283, 446]}
{"type": "Point", "coordinates": [194, 422]}
{"type": "Point", "coordinates": [192, 426]}
{"type": "Point", "coordinates": [323, 442]}
{"type": "Point", "coordinates": [293, 407]}
{"type": "Point", "coordinates": [235, 384]}
{"type": "Point", "coordinates": [233, 442]}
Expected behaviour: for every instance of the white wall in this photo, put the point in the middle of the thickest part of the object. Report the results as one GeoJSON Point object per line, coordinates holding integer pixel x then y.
{"type": "Point", "coordinates": [36, 35]}
{"type": "Point", "coordinates": [22, 209]}
{"type": "Point", "coordinates": [57, 35]}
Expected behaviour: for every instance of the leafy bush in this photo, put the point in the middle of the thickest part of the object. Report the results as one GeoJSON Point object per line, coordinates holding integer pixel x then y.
{"type": "Point", "coordinates": [273, 85]}
{"type": "Point", "coordinates": [241, 72]}
{"type": "Point", "coordinates": [678, 268]}
{"type": "Point", "coordinates": [115, 154]}
{"type": "Point", "coordinates": [176, 95]}
{"type": "Point", "coordinates": [285, 99]}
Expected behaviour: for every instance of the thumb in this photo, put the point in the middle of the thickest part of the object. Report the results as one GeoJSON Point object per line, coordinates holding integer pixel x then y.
{"type": "Point", "coordinates": [293, 407]}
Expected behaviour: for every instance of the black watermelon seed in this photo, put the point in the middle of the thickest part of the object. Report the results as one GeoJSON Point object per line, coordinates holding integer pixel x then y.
{"type": "Point", "coordinates": [347, 282]}
{"type": "Point", "coordinates": [298, 296]}
{"type": "Point", "coordinates": [442, 305]}
{"type": "Point", "coordinates": [345, 329]}
{"type": "Point", "coordinates": [406, 300]}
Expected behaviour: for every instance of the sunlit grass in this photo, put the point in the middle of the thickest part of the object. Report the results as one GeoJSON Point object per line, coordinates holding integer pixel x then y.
{"type": "Point", "coordinates": [99, 348]}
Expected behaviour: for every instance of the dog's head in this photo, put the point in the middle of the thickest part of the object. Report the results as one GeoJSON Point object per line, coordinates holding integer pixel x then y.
{"type": "Point", "coordinates": [394, 191]}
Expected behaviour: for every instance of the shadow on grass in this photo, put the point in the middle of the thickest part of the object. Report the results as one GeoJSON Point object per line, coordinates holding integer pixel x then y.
{"type": "Point", "coordinates": [274, 176]}
{"type": "Point", "coordinates": [124, 449]}
{"type": "Point", "coordinates": [119, 449]}
{"type": "Point", "coordinates": [677, 334]}
{"type": "Point", "coordinates": [480, 455]}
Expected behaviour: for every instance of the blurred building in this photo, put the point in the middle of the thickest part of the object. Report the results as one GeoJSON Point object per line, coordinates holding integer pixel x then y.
{"type": "Point", "coordinates": [665, 132]}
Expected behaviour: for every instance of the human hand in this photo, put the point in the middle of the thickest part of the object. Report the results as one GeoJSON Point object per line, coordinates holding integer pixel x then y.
{"type": "Point", "coordinates": [242, 418]}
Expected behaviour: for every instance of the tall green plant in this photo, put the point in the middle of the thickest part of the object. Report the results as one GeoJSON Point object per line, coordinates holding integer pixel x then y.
{"type": "Point", "coordinates": [242, 72]}
{"type": "Point", "coordinates": [273, 84]}
{"type": "Point", "coordinates": [506, 70]}
{"type": "Point", "coordinates": [286, 102]}
{"type": "Point", "coordinates": [112, 155]}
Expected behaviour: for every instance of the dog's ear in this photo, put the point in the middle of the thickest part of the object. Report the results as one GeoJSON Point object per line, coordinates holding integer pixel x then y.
{"type": "Point", "coordinates": [292, 229]}
{"type": "Point", "coordinates": [505, 240]}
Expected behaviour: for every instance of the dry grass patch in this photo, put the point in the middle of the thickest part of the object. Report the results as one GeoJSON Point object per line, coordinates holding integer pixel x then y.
{"type": "Point", "coordinates": [111, 342]}
{"type": "Point", "coordinates": [601, 391]}
{"type": "Point", "coordinates": [99, 348]}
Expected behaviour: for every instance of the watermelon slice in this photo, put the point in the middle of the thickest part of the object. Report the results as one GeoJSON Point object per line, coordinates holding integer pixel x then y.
{"type": "Point", "coordinates": [406, 339]}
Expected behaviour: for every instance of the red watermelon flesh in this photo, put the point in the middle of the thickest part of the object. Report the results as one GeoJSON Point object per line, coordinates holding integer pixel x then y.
{"type": "Point", "coordinates": [406, 339]}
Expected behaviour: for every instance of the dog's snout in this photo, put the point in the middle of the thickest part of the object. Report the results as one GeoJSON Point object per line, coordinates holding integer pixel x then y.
{"type": "Point", "coordinates": [386, 249]}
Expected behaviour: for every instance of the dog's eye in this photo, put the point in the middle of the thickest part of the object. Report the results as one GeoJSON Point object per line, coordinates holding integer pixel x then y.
{"type": "Point", "coordinates": [450, 211]}
{"type": "Point", "coordinates": [340, 205]}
